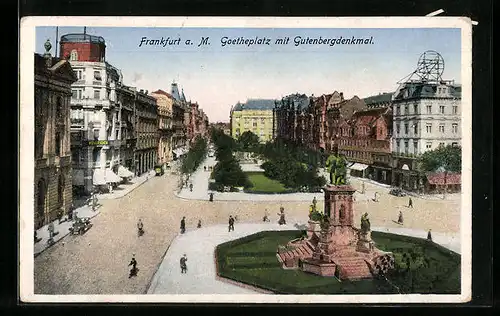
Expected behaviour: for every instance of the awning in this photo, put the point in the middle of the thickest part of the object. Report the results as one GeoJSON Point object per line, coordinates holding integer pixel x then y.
{"type": "Point", "coordinates": [124, 172]}
{"type": "Point", "coordinates": [359, 166]}
{"type": "Point", "coordinates": [112, 177]}
{"type": "Point", "coordinates": [78, 178]}
{"type": "Point", "coordinates": [99, 177]}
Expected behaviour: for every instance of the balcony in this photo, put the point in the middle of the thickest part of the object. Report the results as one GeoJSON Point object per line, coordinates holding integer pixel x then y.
{"type": "Point", "coordinates": [90, 103]}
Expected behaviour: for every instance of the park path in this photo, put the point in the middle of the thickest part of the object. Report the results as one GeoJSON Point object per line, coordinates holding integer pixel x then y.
{"type": "Point", "coordinates": [199, 247]}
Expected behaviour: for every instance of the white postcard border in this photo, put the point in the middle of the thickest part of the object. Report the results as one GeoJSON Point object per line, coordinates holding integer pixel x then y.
{"type": "Point", "coordinates": [26, 161]}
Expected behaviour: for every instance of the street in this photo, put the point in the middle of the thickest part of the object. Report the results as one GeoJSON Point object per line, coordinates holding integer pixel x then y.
{"type": "Point", "coordinates": [97, 262]}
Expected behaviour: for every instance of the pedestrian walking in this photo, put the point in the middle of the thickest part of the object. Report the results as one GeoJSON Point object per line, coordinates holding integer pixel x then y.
{"type": "Point", "coordinates": [429, 235]}
{"type": "Point", "coordinates": [183, 264]}
{"type": "Point", "coordinates": [400, 218]}
{"type": "Point", "coordinates": [410, 203]}
{"type": "Point", "coordinates": [199, 224]}
{"type": "Point", "coordinates": [231, 223]}
{"type": "Point", "coordinates": [266, 216]}
{"type": "Point", "coordinates": [183, 225]}
{"type": "Point", "coordinates": [191, 187]}
{"type": "Point", "coordinates": [363, 188]}
{"type": "Point", "coordinates": [204, 168]}
{"type": "Point", "coordinates": [211, 197]}
{"type": "Point", "coordinates": [281, 214]}
{"type": "Point", "coordinates": [133, 263]}
{"type": "Point", "coordinates": [140, 228]}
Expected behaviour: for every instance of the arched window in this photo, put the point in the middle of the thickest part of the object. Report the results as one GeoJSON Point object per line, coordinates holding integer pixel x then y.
{"type": "Point", "coordinates": [73, 55]}
{"type": "Point", "coordinates": [60, 190]}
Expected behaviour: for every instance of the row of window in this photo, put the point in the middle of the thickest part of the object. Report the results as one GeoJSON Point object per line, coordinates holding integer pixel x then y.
{"type": "Point", "coordinates": [357, 154]}
{"type": "Point", "coordinates": [78, 94]}
{"type": "Point", "coordinates": [363, 143]}
{"type": "Point", "coordinates": [428, 128]}
{"type": "Point", "coordinates": [429, 109]}
{"type": "Point", "coordinates": [406, 144]}
{"type": "Point", "coordinates": [80, 74]}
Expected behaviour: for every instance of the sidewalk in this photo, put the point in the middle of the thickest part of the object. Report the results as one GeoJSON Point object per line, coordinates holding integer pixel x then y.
{"type": "Point", "coordinates": [199, 246]}
{"type": "Point", "coordinates": [86, 211]}
{"type": "Point", "coordinates": [62, 228]}
{"type": "Point", "coordinates": [124, 189]}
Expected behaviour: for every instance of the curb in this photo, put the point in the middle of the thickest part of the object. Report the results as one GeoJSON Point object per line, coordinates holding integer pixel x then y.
{"type": "Point", "coordinates": [125, 194]}
{"type": "Point", "coordinates": [148, 286]}
{"type": "Point", "coordinates": [36, 254]}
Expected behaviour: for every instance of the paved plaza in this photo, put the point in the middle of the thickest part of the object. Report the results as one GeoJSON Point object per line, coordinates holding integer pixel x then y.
{"type": "Point", "coordinates": [97, 262]}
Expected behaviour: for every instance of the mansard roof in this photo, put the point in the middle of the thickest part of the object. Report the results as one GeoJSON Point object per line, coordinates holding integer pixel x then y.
{"type": "Point", "coordinates": [380, 98]}
{"type": "Point", "coordinates": [255, 104]}
{"type": "Point", "coordinates": [410, 90]}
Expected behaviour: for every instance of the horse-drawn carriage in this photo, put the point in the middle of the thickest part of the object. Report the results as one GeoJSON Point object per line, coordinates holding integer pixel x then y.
{"type": "Point", "coordinates": [80, 226]}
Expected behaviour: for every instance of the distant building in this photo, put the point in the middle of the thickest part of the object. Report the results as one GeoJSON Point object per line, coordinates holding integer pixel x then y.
{"type": "Point", "coordinates": [256, 116]}
{"type": "Point", "coordinates": [146, 116]}
{"type": "Point", "coordinates": [53, 169]}
{"type": "Point", "coordinates": [381, 100]}
{"type": "Point", "coordinates": [224, 127]}
{"type": "Point", "coordinates": [366, 142]}
{"type": "Point", "coordinates": [180, 121]}
{"type": "Point", "coordinates": [165, 104]}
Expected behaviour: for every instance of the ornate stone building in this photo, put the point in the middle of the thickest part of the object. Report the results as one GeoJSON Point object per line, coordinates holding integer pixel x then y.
{"type": "Point", "coordinates": [146, 131]}
{"type": "Point", "coordinates": [256, 116]}
{"type": "Point", "coordinates": [53, 170]}
{"type": "Point", "coordinates": [180, 121]}
{"type": "Point", "coordinates": [95, 113]}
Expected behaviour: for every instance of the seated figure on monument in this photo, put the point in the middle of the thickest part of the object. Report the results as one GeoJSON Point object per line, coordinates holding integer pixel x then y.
{"type": "Point", "coordinates": [337, 167]}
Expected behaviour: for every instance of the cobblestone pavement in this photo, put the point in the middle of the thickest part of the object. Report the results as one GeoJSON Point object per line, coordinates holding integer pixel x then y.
{"type": "Point", "coordinates": [97, 262]}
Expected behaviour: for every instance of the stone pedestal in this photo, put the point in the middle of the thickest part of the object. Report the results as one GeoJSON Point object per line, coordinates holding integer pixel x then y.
{"type": "Point", "coordinates": [365, 243]}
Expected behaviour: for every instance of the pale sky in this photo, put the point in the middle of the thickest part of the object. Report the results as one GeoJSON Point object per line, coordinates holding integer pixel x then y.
{"type": "Point", "coordinates": [217, 76]}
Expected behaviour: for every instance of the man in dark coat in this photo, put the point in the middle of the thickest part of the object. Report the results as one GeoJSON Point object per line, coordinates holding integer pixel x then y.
{"type": "Point", "coordinates": [183, 264]}
{"type": "Point", "coordinates": [231, 223]}
{"type": "Point", "coordinates": [400, 218]}
{"type": "Point", "coordinates": [133, 271]}
{"type": "Point", "coordinates": [183, 225]}
{"type": "Point", "coordinates": [429, 235]}
{"type": "Point", "coordinates": [410, 203]}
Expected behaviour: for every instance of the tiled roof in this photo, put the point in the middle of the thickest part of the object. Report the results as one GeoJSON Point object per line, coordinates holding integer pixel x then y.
{"type": "Point", "coordinates": [159, 91]}
{"type": "Point", "coordinates": [438, 178]}
{"type": "Point", "coordinates": [349, 107]}
{"type": "Point", "coordinates": [255, 104]}
{"type": "Point", "coordinates": [380, 98]}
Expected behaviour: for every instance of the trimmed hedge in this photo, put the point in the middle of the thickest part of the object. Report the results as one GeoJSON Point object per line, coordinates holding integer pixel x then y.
{"type": "Point", "coordinates": [263, 270]}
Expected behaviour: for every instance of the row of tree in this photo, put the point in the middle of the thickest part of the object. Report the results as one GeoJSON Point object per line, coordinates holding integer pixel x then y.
{"type": "Point", "coordinates": [227, 172]}
{"type": "Point", "coordinates": [195, 155]}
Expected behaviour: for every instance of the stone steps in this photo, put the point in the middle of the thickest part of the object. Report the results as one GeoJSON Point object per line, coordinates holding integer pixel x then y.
{"type": "Point", "coordinates": [353, 268]}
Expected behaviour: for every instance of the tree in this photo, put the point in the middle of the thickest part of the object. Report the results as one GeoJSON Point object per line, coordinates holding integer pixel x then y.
{"type": "Point", "coordinates": [248, 141]}
{"type": "Point", "coordinates": [447, 157]}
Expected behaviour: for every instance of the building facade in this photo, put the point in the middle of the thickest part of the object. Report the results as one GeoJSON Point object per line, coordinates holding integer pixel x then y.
{"type": "Point", "coordinates": [313, 121]}
{"type": "Point", "coordinates": [146, 131]}
{"type": "Point", "coordinates": [95, 113]}
{"type": "Point", "coordinates": [256, 116]}
{"type": "Point", "coordinates": [53, 169]}
{"type": "Point", "coordinates": [164, 102]}
{"type": "Point", "coordinates": [180, 121]}
{"type": "Point", "coordinates": [365, 141]}
{"type": "Point", "coordinates": [427, 115]}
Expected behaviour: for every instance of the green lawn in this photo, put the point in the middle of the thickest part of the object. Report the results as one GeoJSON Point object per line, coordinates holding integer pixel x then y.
{"type": "Point", "coordinates": [260, 183]}
{"type": "Point", "coordinates": [252, 260]}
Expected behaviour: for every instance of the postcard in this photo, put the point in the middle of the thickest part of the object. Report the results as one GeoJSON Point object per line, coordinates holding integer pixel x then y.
{"type": "Point", "coordinates": [245, 160]}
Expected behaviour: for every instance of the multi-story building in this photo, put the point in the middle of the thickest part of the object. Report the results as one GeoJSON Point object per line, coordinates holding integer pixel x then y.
{"type": "Point", "coordinates": [164, 101]}
{"type": "Point", "coordinates": [146, 131]}
{"type": "Point", "coordinates": [313, 121]}
{"type": "Point", "coordinates": [126, 99]}
{"type": "Point", "coordinates": [225, 127]}
{"type": "Point", "coordinates": [53, 170]}
{"type": "Point", "coordinates": [256, 115]}
{"type": "Point", "coordinates": [180, 122]}
{"type": "Point", "coordinates": [365, 140]}
{"type": "Point", "coordinates": [426, 116]}
{"type": "Point", "coordinates": [95, 113]}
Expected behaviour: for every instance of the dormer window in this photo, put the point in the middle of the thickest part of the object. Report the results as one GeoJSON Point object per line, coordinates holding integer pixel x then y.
{"type": "Point", "coordinates": [73, 55]}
